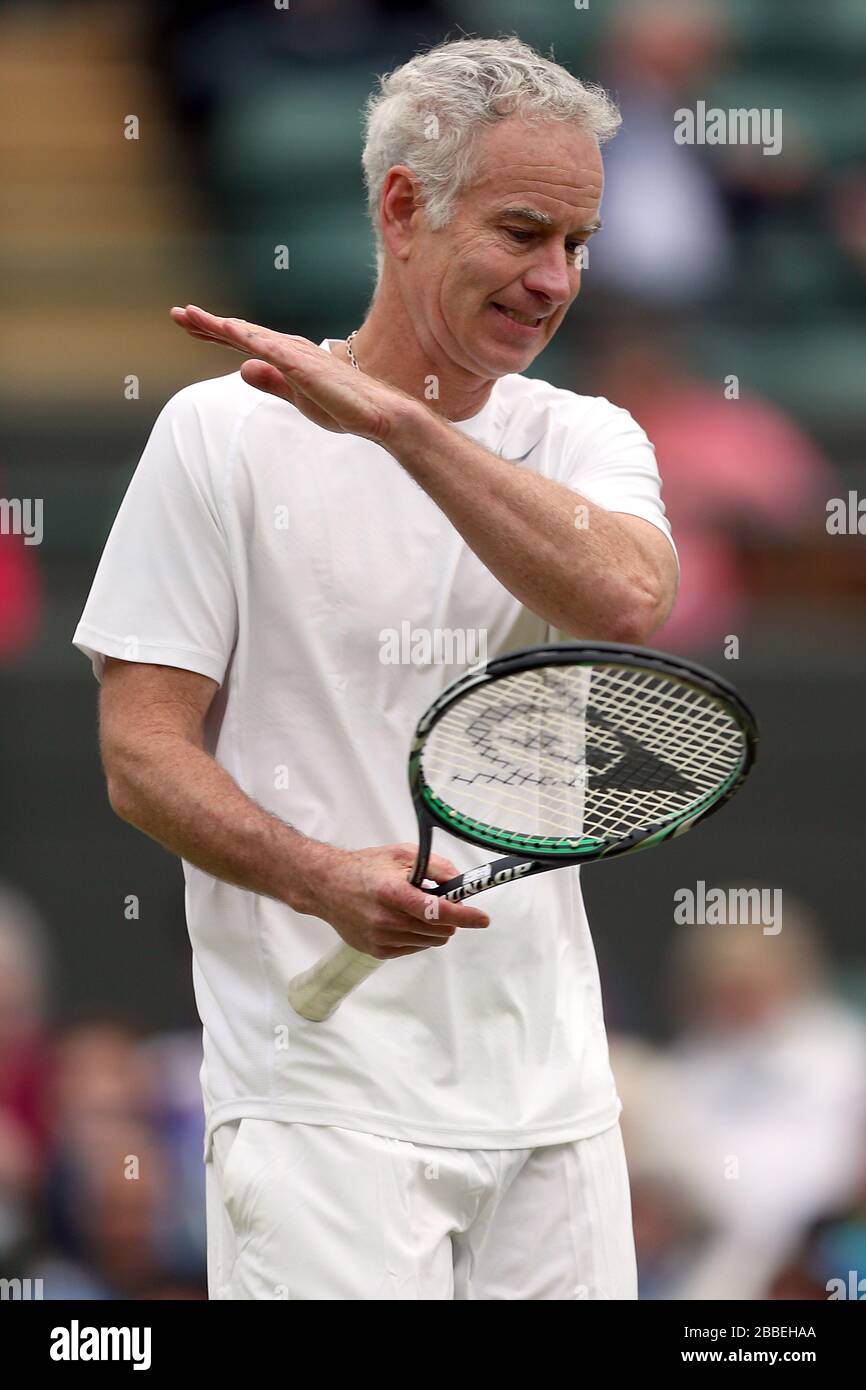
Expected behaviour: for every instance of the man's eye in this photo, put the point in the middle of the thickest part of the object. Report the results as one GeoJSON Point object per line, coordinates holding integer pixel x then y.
{"type": "Point", "coordinates": [521, 235]}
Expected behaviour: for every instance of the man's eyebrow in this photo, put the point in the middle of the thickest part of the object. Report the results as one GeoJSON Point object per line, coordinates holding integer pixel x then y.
{"type": "Point", "coordinates": [543, 219]}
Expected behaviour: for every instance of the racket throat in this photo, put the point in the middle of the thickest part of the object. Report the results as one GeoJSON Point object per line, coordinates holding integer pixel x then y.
{"type": "Point", "coordinates": [425, 844]}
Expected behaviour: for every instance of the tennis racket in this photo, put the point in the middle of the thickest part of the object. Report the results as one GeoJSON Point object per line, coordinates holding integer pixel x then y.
{"type": "Point", "coordinates": [559, 755]}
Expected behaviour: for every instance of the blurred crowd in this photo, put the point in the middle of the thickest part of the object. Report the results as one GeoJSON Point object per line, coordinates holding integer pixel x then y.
{"type": "Point", "coordinates": [101, 1135]}
{"type": "Point", "coordinates": [745, 1132]}
{"type": "Point", "coordinates": [737, 469]}
{"type": "Point", "coordinates": [735, 474]}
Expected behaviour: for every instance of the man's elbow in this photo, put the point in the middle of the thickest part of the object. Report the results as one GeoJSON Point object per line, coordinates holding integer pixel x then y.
{"type": "Point", "coordinates": [636, 625]}
{"type": "Point", "coordinates": [117, 797]}
{"type": "Point", "coordinates": [119, 792]}
{"type": "Point", "coordinates": [627, 629]}
{"type": "Point", "coordinates": [639, 613]}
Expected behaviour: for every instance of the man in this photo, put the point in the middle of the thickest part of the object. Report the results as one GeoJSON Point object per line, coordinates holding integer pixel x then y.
{"type": "Point", "coordinates": [452, 1131]}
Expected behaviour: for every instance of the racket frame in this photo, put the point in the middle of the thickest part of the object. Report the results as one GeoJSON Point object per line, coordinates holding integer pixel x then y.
{"type": "Point", "coordinates": [427, 805]}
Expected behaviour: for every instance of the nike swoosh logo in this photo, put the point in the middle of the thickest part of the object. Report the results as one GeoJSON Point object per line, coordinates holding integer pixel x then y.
{"type": "Point", "coordinates": [521, 457]}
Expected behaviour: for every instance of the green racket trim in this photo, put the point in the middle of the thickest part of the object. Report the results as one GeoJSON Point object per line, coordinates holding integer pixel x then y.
{"type": "Point", "coordinates": [588, 847]}
{"type": "Point", "coordinates": [495, 838]}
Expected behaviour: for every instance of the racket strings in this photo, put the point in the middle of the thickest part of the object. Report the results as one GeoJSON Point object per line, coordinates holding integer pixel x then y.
{"type": "Point", "coordinates": [575, 752]}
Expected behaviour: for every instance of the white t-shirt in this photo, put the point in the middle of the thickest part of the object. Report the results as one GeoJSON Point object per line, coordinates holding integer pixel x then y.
{"type": "Point", "coordinates": [291, 564]}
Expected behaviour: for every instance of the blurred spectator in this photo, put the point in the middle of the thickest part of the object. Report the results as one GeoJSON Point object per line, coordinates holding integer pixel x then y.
{"type": "Point", "coordinates": [101, 1176]}
{"type": "Point", "coordinates": [847, 207]}
{"type": "Point", "coordinates": [831, 1257]}
{"type": "Point", "coordinates": [732, 470]}
{"type": "Point", "coordinates": [121, 1218]}
{"type": "Point", "coordinates": [118, 1208]}
{"type": "Point", "coordinates": [771, 1071]}
{"type": "Point", "coordinates": [745, 1138]}
{"type": "Point", "coordinates": [666, 239]}
{"type": "Point", "coordinates": [106, 1190]}
{"type": "Point", "coordinates": [671, 1230]}
{"type": "Point", "coordinates": [179, 1121]}
{"type": "Point", "coordinates": [20, 596]}
{"type": "Point", "coordinates": [24, 1064]}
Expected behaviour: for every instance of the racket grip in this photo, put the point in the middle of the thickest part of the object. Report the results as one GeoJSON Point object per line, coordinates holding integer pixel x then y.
{"type": "Point", "coordinates": [317, 992]}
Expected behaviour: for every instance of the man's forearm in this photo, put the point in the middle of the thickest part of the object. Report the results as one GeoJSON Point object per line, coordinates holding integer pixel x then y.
{"type": "Point", "coordinates": [179, 795]}
{"type": "Point", "coordinates": [590, 580]}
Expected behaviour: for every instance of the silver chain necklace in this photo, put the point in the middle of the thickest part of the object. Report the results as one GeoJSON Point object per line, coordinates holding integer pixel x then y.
{"type": "Point", "coordinates": [352, 358]}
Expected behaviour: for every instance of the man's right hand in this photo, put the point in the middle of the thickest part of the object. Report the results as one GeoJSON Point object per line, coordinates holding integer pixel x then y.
{"type": "Point", "coordinates": [160, 779]}
{"type": "Point", "coordinates": [367, 898]}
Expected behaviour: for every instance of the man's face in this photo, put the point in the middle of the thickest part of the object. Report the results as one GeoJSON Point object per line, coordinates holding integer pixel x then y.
{"type": "Point", "coordinates": [512, 247]}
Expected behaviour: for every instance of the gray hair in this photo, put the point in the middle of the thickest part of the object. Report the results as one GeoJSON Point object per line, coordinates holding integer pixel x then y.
{"type": "Point", "coordinates": [429, 113]}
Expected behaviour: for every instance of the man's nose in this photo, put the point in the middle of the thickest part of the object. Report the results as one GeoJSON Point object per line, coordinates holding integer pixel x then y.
{"type": "Point", "coordinates": [552, 275]}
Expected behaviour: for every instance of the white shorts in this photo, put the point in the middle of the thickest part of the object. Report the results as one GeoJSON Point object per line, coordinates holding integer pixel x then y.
{"type": "Point", "coordinates": [299, 1211]}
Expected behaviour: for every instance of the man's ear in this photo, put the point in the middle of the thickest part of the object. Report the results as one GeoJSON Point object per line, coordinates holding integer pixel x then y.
{"type": "Point", "coordinates": [398, 210]}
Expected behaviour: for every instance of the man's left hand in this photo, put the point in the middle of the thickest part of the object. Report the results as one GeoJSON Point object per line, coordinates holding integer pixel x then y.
{"type": "Point", "coordinates": [329, 392]}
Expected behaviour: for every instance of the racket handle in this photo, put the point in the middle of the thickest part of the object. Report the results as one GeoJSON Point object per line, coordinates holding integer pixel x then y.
{"type": "Point", "coordinates": [317, 992]}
